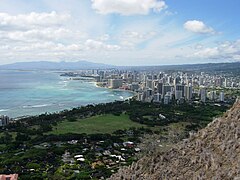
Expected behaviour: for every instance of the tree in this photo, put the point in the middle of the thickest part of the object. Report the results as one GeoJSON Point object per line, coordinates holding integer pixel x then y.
{"type": "Point", "coordinates": [31, 165]}
{"type": "Point", "coordinates": [22, 137]}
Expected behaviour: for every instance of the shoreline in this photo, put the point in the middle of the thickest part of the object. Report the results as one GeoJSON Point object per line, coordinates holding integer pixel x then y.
{"type": "Point", "coordinates": [118, 89]}
{"type": "Point", "coordinates": [69, 109]}
{"type": "Point", "coordinates": [16, 113]}
{"type": "Point", "coordinates": [59, 112]}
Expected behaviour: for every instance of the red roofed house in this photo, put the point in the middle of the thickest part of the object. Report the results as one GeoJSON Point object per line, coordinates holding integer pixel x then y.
{"type": "Point", "coordinates": [9, 177]}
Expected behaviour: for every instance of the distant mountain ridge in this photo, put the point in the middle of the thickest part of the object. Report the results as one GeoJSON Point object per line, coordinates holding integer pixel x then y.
{"type": "Point", "coordinates": [47, 65]}
{"type": "Point", "coordinates": [83, 65]}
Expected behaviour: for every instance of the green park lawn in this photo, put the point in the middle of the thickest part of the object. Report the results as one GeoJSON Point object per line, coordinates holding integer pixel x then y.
{"type": "Point", "coordinates": [97, 124]}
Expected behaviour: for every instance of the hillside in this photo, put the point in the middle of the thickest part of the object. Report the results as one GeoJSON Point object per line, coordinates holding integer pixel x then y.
{"type": "Point", "coordinates": [212, 153]}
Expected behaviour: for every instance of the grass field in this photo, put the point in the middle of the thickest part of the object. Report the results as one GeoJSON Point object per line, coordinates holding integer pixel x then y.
{"type": "Point", "coordinates": [96, 124]}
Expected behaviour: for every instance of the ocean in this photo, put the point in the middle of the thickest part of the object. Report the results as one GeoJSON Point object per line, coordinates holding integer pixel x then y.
{"type": "Point", "coordinates": [27, 93]}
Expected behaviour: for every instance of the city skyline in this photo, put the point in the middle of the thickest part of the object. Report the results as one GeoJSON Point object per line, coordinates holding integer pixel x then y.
{"type": "Point", "coordinates": [120, 32]}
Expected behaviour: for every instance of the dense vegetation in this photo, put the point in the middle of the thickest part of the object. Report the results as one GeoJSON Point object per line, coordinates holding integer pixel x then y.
{"type": "Point", "coordinates": [42, 147]}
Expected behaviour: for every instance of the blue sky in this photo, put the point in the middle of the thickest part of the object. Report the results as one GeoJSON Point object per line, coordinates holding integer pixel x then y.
{"type": "Point", "coordinates": [120, 32]}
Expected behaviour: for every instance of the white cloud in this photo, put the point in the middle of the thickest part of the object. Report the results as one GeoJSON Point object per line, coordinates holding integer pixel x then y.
{"type": "Point", "coordinates": [198, 27]}
{"type": "Point", "coordinates": [98, 45]}
{"type": "Point", "coordinates": [41, 34]}
{"type": "Point", "coordinates": [53, 47]}
{"type": "Point", "coordinates": [138, 35]}
{"type": "Point", "coordinates": [32, 19]}
{"type": "Point", "coordinates": [49, 47]}
{"type": "Point", "coordinates": [127, 44]}
{"type": "Point", "coordinates": [129, 39]}
{"type": "Point", "coordinates": [82, 34]}
{"type": "Point", "coordinates": [128, 7]}
{"type": "Point", "coordinates": [236, 57]}
{"type": "Point", "coordinates": [226, 50]}
{"type": "Point", "coordinates": [133, 34]}
{"type": "Point", "coordinates": [50, 35]}
{"type": "Point", "coordinates": [207, 53]}
{"type": "Point", "coordinates": [104, 37]}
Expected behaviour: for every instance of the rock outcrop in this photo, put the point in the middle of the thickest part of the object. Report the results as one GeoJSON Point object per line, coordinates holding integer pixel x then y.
{"type": "Point", "coordinates": [211, 153]}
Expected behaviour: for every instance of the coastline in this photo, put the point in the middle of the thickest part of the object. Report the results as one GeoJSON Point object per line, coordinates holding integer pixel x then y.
{"type": "Point", "coordinates": [69, 109]}
{"type": "Point", "coordinates": [52, 90]}
{"type": "Point", "coordinates": [118, 89]}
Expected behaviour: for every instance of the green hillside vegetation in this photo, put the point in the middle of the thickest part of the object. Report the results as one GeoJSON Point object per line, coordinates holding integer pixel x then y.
{"type": "Point", "coordinates": [44, 146]}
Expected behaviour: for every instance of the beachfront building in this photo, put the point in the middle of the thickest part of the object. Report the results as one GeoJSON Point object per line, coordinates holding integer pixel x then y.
{"type": "Point", "coordinates": [115, 83]}
{"type": "Point", "coordinates": [4, 120]}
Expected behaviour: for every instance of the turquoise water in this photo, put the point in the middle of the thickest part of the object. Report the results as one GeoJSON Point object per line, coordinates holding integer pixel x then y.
{"type": "Point", "coordinates": [33, 92]}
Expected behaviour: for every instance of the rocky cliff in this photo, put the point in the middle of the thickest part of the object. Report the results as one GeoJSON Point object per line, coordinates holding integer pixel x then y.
{"type": "Point", "coordinates": [212, 153]}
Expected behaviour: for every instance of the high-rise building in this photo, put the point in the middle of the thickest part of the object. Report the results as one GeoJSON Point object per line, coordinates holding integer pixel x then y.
{"type": "Point", "coordinates": [188, 92]}
{"type": "Point", "coordinates": [134, 77]}
{"type": "Point", "coordinates": [143, 78]}
{"type": "Point", "coordinates": [157, 97]}
{"type": "Point", "coordinates": [149, 93]}
{"type": "Point", "coordinates": [154, 77]}
{"type": "Point", "coordinates": [4, 120]}
{"type": "Point", "coordinates": [167, 98]}
{"type": "Point", "coordinates": [115, 83]}
{"type": "Point", "coordinates": [219, 81]}
{"type": "Point", "coordinates": [225, 82]}
{"type": "Point", "coordinates": [212, 95]}
{"type": "Point", "coordinates": [134, 86]}
{"type": "Point", "coordinates": [160, 88]}
{"type": "Point", "coordinates": [166, 88]}
{"type": "Point", "coordinates": [102, 75]}
{"type": "Point", "coordinates": [178, 94]}
{"type": "Point", "coordinates": [149, 83]}
{"type": "Point", "coordinates": [125, 76]}
{"type": "Point", "coordinates": [169, 80]}
{"type": "Point", "coordinates": [180, 88]}
{"type": "Point", "coordinates": [140, 97]}
{"type": "Point", "coordinates": [221, 96]}
{"type": "Point", "coordinates": [154, 85]}
{"type": "Point", "coordinates": [203, 94]}
{"type": "Point", "coordinates": [189, 81]}
{"type": "Point", "coordinates": [177, 80]}
{"type": "Point", "coordinates": [97, 78]}
{"type": "Point", "coordinates": [160, 76]}
{"type": "Point", "coordinates": [201, 81]}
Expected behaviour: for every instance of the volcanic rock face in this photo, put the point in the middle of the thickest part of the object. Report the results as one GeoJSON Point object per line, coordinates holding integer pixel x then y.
{"type": "Point", "coordinates": [212, 153]}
